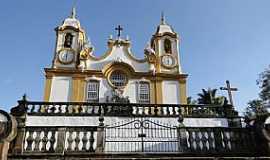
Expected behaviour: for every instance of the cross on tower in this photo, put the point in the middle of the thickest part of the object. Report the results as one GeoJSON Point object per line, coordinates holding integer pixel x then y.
{"type": "Point", "coordinates": [119, 29]}
{"type": "Point", "coordinates": [229, 89]}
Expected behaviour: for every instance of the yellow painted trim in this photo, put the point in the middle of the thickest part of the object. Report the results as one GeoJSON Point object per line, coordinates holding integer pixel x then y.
{"type": "Point", "coordinates": [152, 92]}
{"type": "Point", "coordinates": [183, 91]}
{"type": "Point", "coordinates": [82, 90]}
{"type": "Point", "coordinates": [47, 90]}
{"type": "Point", "coordinates": [158, 91]}
{"type": "Point", "coordinates": [75, 89]}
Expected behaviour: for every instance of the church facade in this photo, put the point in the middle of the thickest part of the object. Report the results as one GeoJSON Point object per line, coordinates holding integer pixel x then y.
{"type": "Point", "coordinates": [119, 107]}
{"type": "Point", "coordinates": [78, 75]}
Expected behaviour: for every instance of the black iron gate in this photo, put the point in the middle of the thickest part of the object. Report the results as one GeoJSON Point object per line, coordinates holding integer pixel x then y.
{"type": "Point", "coordinates": [141, 135]}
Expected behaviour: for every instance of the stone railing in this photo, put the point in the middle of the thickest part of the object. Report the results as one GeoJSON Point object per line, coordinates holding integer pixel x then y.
{"type": "Point", "coordinates": [59, 139]}
{"type": "Point", "coordinates": [220, 141]}
{"type": "Point", "coordinates": [117, 109]}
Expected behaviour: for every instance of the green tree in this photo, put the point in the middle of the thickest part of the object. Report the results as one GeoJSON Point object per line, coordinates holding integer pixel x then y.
{"type": "Point", "coordinates": [191, 101]}
{"type": "Point", "coordinates": [209, 97]}
{"type": "Point", "coordinates": [254, 109]}
{"type": "Point", "coordinates": [264, 84]}
{"type": "Point", "coordinates": [258, 107]}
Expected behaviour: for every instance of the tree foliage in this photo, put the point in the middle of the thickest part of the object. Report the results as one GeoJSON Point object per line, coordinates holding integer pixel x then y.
{"type": "Point", "coordinates": [264, 84]}
{"type": "Point", "coordinates": [258, 107]}
{"type": "Point", "coordinates": [255, 108]}
{"type": "Point", "coordinates": [209, 97]}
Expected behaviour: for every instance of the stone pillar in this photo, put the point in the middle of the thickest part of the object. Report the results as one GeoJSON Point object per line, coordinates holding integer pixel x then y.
{"type": "Point", "coordinates": [183, 91]}
{"type": "Point", "coordinates": [60, 148]}
{"type": "Point", "coordinates": [8, 131]}
{"type": "Point", "coordinates": [19, 113]}
{"type": "Point", "coordinates": [100, 134]}
{"type": "Point", "coordinates": [182, 139]}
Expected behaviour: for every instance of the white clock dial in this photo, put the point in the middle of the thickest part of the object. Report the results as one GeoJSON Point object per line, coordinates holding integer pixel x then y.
{"type": "Point", "coordinates": [66, 56]}
{"type": "Point", "coordinates": [168, 61]}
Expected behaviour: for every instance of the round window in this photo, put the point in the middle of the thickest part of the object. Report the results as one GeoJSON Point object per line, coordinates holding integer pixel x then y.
{"type": "Point", "coordinates": [118, 79]}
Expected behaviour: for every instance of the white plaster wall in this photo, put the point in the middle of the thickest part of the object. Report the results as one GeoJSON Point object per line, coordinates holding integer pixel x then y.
{"type": "Point", "coordinates": [170, 92]}
{"type": "Point", "coordinates": [105, 90]}
{"type": "Point", "coordinates": [131, 90]}
{"type": "Point", "coordinates": [111, 121]}
{"type": "Point", "coordinates": [61, 89]}
{"type": "Point", "coordinates": [118, 53]}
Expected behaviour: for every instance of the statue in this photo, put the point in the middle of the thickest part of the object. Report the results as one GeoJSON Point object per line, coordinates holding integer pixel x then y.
{"type": "Point", "coordinates": [117, 97]}
{"type": "Point", "coordinates": [87, 49]}
{"type": "Point", "coordinates": [151, 56]}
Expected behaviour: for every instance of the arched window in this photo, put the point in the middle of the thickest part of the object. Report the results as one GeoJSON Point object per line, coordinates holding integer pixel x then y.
{"type": "Point", "coordinates": [143, 92]}
{"type": "Point", "coordinates": [167, 46]}
{"type": "Point", "coordinates": [68, 40]}
{"type": "Point", "coordinates": [92, 91]}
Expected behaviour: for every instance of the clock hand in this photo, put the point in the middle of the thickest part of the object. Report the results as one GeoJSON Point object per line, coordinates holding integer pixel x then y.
{"type": "Point", "coordinates": [66, 56]}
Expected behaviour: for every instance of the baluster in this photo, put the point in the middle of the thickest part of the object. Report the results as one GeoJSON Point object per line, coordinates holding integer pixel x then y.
{"type": "Point", "coordinates": [91, 149]}
{"type": "Point", "coordinates": [149, 110]}
{"type": "Point", "coordinates": [155, 110]}
{"type": "Point", "coordinates": [136, 110]}
{"type": "Point", "coordinates": [69, 140]}
{"type": "Point", "coordinates": [32, 110]}
{"type": "Point", "coordinates": [193, 141]}
{"type": "Point", "coordinates": [29, 141]}
{"type": "Point", "coordinates": [69, 109]}
{"type": "Point", "coordinates": [92, 109]}
{"type": "Point", "coordinates": [179, 111]}
{"type": "Point", "coordinates": [161, 110]}
{"type": "Point", "coordinates": [77, 141]}
{"type": "Point", "coordinates": [199, 140]}
{"type": "Point", "coordinates": [84, 141]}
{"type": "Point", "coordinates": [74, 110]}
{"type": "Point", "coordinates": [99, 109]}
{"type": "Point", "coordinates": [39, 108]}
{"type": "Point", "coordinates": [143, 110]}
{"type": "Point", "coordinates": [44, 141]}
{"type": "Point", "coordinates": [53, 109]}
{"type": "Point", "coordinates": [174, 110]}
{"type": "Point", "coordinates": [168, 110]}
{"type": "Point", "coordinates": [52, 141]}
{"type": "Point", "coordinates": [40, 144]}
{"type": "Point", "coordinates": [37, 141]}
{"type": "Point", "coordinates": [48, 142]}
{"type": "Point", "coordinates": [80, 109]}
{"type": "Point", "coordinates": [60, 109]}
{"type": "Point", "coordinates": [204, 139]}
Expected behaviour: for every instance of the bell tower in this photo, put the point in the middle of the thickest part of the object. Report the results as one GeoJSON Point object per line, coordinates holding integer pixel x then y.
{"type": "Point", "coordinates": [165, 42]}
{"type": "Point", "coordinates": [70, 38]}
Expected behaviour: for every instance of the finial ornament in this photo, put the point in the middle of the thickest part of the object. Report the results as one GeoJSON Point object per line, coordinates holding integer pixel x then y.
{"type": "Point", "coordinates": [163, 18]}
{"type": "Point", "coordinates": [119, 29]}
{"type": "Point", "coordinates": [73, 13]}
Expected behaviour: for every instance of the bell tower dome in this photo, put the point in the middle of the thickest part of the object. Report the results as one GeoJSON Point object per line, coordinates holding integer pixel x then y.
{"type": "Point", "coordinates": [70, 38]}
{"type": "Point", "coordinates": [165, 42]}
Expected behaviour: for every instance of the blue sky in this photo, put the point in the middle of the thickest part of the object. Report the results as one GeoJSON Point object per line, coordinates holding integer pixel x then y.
{"type": "Point", "coordinates": [220, 40]}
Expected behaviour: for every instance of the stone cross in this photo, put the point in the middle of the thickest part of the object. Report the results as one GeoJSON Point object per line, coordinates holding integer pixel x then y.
{"type": "Point", "coordinates": [119, 29]}
{"type": "Point", "coordinates": [229, 89]}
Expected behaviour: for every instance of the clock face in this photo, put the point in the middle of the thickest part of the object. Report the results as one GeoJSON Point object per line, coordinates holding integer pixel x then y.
{"type": "Point", "coordinates": [168, 61]}
{"type": "Point", "coordinates": [66, 56]}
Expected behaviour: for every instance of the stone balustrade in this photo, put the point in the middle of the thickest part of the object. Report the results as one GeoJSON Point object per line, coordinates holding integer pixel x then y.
{"type": "Point", "coordinates": [129, 109]}
{"type": "Point", "coordinates": [59, 139]}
